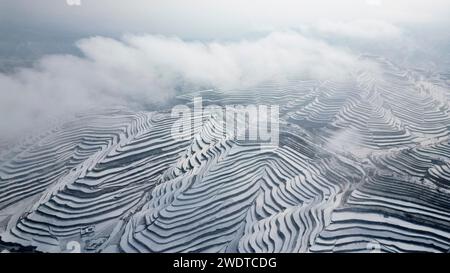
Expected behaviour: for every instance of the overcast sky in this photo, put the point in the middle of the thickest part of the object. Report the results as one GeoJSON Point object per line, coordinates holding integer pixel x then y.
{"type": "Point", "coordinates": [211, 19]}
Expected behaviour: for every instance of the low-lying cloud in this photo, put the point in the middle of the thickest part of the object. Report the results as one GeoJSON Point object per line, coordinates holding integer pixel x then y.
{"type": "Point", "coordinates": [138, 70]}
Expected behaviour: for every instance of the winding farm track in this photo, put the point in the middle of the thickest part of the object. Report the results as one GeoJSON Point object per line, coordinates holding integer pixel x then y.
{"type": "Point", "coordinates": [361, 163]}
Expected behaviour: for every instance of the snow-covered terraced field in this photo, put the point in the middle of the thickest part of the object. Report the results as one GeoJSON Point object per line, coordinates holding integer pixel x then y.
{"type": "Point", "coordinates": [362, 164]}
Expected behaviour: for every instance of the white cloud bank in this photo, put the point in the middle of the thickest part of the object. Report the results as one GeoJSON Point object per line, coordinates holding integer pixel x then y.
{"type": "Point", "coordinates": [142, 69]}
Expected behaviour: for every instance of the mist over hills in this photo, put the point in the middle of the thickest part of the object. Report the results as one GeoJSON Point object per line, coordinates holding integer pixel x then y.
{"type": "Point", "coordinates": [354, 167]}
{"type": "Point", "coordinates": [88, 154]}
